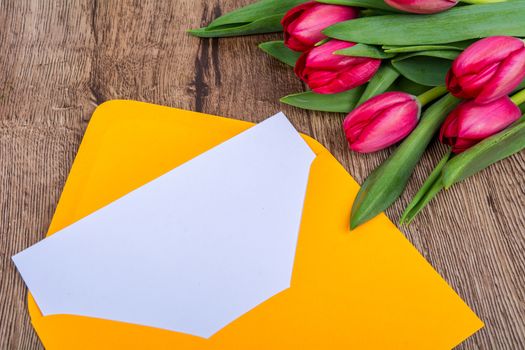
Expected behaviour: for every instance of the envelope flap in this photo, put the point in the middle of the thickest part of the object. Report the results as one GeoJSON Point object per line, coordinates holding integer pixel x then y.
{"type": "Point", "coordinates": [366, 289]}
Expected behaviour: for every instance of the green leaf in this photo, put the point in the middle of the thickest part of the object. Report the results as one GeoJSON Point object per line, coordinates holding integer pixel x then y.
{"type": "Point", "coordinates": [425, 194]}
{"type": "Point", "coordinates": [446, 54]}
{"type": "Point", "coordinates": [261, 17]}
{"type": "Point", "coordinates": [363, 50]}
{"type": "Point", "coordinates": [457, 24]}
{"type": "Point", "coordinates": [485, 153]}
{"type": "Point", "coordinates": [255, 11]}
{"type": "Point", "coordinates": [408, 86]}
{"type": "Point", "coordinates": [427, 67]}
{"type": "Point", "coordinates": [371, 4]}
{"type": "Point", "coordinates": [460, 46]}
{"type": "Point", "coordinates": [342, 102]}
{"type": "Point", "coordinates": [388, 181]}
{"type": "Point", "coordinates": [433, 189]}
{"type": "Point", "coordinates": [263, 25]}
{"type": "Point", "coordinates": [475, 159]}
{"type": "Point", "coordinates": [278, 50]}
{"type": "Point", "coordinates": [374, 12]}
{"type": "Point", "coordinates": [481, 2]}
{"type": "Point", "coordinates": [382, 80]}
{"type": "Point", "coordinates": [321, 42]}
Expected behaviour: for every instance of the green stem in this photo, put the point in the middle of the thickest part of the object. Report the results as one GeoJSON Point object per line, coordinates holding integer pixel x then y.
{"type": "Point", "coordinates": [434, 189]}
{"type": "Point", "coordinates": [485, 153]}
{"type": "Point", "coordinates": [430, 188]}
{"type": "Point", "coordinates": [431, 95]}
{"type": "Point", "coordinates": [324, 41]}
{"type": "Point", "coordinates": [519, 97]}
{"type": "Point", "coordinates": [388, 181]}
{"type": "Point", "coordinates": [382, 80]}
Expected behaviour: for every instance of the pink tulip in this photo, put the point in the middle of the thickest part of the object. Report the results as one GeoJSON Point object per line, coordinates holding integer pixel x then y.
{"type": "Point", "coordinates": [422, 6]}
{"type": "Point", "coordinates": [328, 73]}
{"type": "Point", "coordinates": [381, 121]}
{"type": "Point", "coordinates": [472, 122]}
{"type": "Point", "coordinates": [488, 69]}
{"type": "Point", "coordinates": [303, 24]}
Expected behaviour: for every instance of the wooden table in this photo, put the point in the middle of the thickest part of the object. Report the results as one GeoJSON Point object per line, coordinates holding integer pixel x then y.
{"type": "Point", "coordinates": [60, 59]}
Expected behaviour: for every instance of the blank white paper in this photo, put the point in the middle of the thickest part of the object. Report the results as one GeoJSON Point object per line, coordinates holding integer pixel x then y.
{"type": "Point", "coordinates": [190, 251]}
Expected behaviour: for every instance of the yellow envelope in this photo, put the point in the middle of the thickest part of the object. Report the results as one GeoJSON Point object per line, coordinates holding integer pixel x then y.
{"type": "Point", "coordinates": [365, 289]}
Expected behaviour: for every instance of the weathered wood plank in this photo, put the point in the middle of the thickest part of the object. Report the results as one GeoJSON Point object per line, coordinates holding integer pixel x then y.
{"type": "Point", "coordinates": [60, 59]}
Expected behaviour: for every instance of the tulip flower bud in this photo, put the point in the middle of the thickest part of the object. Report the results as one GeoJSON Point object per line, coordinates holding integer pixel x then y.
{"type": "Point", "coordinates": [472, 122]}
{"type": "Point", "coordinates": [328, 73]}
{"type": "Point", "coordinates": [422, 6]}
{"type": "Point", "coordinates": [381, 121]}
{"type": "Point", "coordinates": [303, 24]}
{"type": "Point", "coordinates": [488, 69]}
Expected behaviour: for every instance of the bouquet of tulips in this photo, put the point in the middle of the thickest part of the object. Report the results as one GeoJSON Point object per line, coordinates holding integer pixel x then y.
{"type": "Point", "coordinates": [404, 71]}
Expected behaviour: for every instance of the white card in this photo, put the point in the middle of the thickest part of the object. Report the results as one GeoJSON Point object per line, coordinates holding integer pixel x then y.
{"type": "Point", "coordinates": [190, 251]}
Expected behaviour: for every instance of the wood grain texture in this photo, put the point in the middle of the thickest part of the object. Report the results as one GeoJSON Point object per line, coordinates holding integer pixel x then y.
{"type": "Point", "coordinates": [60, 59]}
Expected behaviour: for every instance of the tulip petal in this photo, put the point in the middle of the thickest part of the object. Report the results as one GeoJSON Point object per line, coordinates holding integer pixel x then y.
{"type": "Point", "coordinates": [472, 122]}
{"type": "Point", "coordinates": [383, 101]}
{"type": "Point", "coordinates": [349, 78]}
{"type": "Point", "coordinates": [509, 75]}
{"type": "Point", "coordinates": [381, 121]}
{"type": "Point", "coordinates": [449, 129]}
{"type": "Point", "coordinates": [387, 128]}
{"type": "Point", "coordinates": [303, 24]}
{"type": "Point", "coordinates": [454, 86]}
{"type": "Point", "coordinates": [289, 23]}
{"type": "Point", "coordinates": [320, 79]}
{"type": "Point", "coordinates": [294, 43]}
{"type": "Point", "coordinates": [356, 120]}
{"type": "Point", "coordinates": [422, 6]}
{"type": "Point", "coordinates": [310, 24]}
{"type": "Point", "coordinates": [488, 69]}
{"type": "Point", "coordinates": [323, 56]}
{"type": "Point", "coordinates": [300, 66]}
{"type": "Point", "coordinates": [485, 52]}
{"type": "Point", "coordinates": [461, 145]}
{"type": "Point", "coordinates": [472, 84]}
{"type": "Point", "coordinates": [327, 73]}
{"type": "Point", "coordinates": [479, 121]}
{"type": "Point", "coordinates": [295, 12]}
{"type": "Point", "coordinates": [360, 73]}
